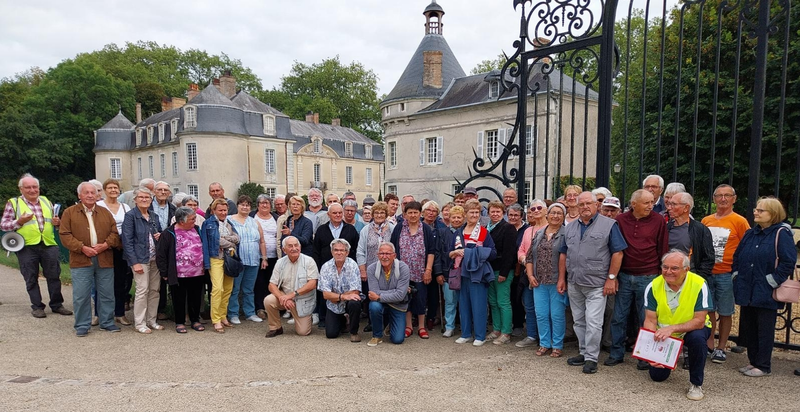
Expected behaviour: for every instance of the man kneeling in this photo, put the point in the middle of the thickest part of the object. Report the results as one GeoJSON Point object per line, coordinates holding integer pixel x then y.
{"type": "Point", "coordinates": [677, 304]}
{"type": "Point", "coordinates": [340, 284]}
{"type": "Point", "coordinates": [388, 289]}
{"type": "Point", "coordinates": [293, 287]}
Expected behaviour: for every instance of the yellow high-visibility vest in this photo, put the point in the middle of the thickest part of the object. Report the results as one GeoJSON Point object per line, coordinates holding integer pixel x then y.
{"type": "Point", "coordinates": [30, 230]}
{"type": "Point", "coordinates": [686, 303]}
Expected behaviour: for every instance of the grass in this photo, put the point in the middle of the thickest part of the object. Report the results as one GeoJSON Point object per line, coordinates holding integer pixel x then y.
{"type": "Point", "coordinates": [11, 261]}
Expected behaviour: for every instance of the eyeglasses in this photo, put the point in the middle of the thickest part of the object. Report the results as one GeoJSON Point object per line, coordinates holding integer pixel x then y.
{"type": "Point", "coordinates": [759, 210]}
{"type": "Point", "coordinates": [585, 204]}
{"type": "Point", "coordinates": [665, 268]}
{"type": "Point", "coordinates": [652, 187]}
{"type": "Point", "coordinates": [537, 207]}
{"type": "Point", "coordinates": [724, 196]}
{"type": "Point", "coordinates": [385, 253]}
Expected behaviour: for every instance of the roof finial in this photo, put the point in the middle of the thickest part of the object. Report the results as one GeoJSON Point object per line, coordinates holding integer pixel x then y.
{"type": "Point", "coordinates": [433, 18]}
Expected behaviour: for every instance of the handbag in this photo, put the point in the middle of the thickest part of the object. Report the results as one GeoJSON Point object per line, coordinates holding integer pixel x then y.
{"type": "Point", "coordinates": [232, 264]}
{"type": "Point", "coordinates": [454, 279]}
{"type": "Point", "coordinates": [789, 290]}
{"type": "Point", "coordinates": [304, 304]}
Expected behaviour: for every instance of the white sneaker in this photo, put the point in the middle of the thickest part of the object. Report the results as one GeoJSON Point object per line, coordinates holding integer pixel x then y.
{"type": "Point", "coordinates": [290, 321]}
{"type": "Point", "coordinates": [448, 333]}
{"type": "Point", "coordinates": [314, 318]}
{"type": "Point", "coordinates": [463, 340]}
{"type": "Point", "coordinates": [528, 341]}
{"type": "Point", "coordinates": [478, 342]}
{"type": "Point", "coordinates": [254, 318]}
{"type": "Point", "coordinates": [695, 393]}
{"type": "Point", "coordinates": [235, 320]}
{"type": "Point", "coordinates": [287, 315]}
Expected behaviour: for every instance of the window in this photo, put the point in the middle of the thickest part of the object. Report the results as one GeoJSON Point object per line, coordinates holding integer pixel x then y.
{"type": "Point", "coordinates": [317, 172]}
{"type": "Point", "coordinates": [348, 149]}
{"type": "Point", "coordinates": [191, 156]}
{"type": "Point", "coordinates": [175, 164]}
{"type": "Point", "coordinates": [150, 134]}
{"type": "Point", "coordinates": [163, 158]}
{"type": "Point", "coordinates": [116, 168]}
{"type": "Point", "coordinates": [193, 190]}
{"type": "Point", "coordinates": [368, 151]}
{"type": "Point", "coordinates": [139, 162]}
{"type": "Point", "coordinates": [492, 145]}
{"type": "Point", "coordinates": [402, 107]}
{"type": "Point", "coordinates": [317, 145]}
{"type": "Point", "coordinates": [150, 166]}
{"type": "Point", "coordinates": [455, 189]}
{"type": "Point", "coordinates": [139, 137]}
{"type": "Point", "coordinates": [161, 137]}
{"type": "Point", "coordinates": [348, 175]}
{"type": "Point", "coordinates": [190, 117]}
{"type": "Point", "coordinates": [494, 90]}
{"type": "Point", "coordinates": [173, 128]}
{"type": "Point", "coordinates": [271, 191]}
{"type": "Point", "coordinates": [386, 111]}
{"type": "Point", "coordinates": [392, 155]}
{"type": "Point", "coordinates": [391, 189]}
{"type": "Point", "coordinates": [433, 145]}
{"type": "Point", "coordinates": [368, 176]}
{"type": "Point", "coordinates": [527, 191]}
{"type": "Point", "coordinates": [269, 161]}
{"type": "Point", "coordinates": [269, 124]}
{"type": "Point", "coordinates": [529, 140]}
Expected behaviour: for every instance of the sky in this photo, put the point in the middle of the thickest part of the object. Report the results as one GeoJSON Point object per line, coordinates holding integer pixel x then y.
{"type": "Point", "coordinates": [266, 35]}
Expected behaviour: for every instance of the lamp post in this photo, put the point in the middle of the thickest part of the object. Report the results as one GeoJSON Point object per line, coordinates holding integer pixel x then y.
{"type": "Point", "coordinates": [617, 185]}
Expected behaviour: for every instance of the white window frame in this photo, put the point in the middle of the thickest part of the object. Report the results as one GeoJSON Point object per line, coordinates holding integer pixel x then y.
{"type": "Point", "coordinates": [138, 136]}
{"type": "Point", "coordinates": [348, 149]}
{"type": "Point", "coordinates": [318, 173]}
{"type": "Point", "coordinates": [368, 176]}
{"type": "Point", "coordinates": [269, 161]}
{"type": "Point", "coordinates": [139, 162]}
{"type": "Point", "coordinates": [527, 194]}
{"type": "Point", "coordinates": [161, 128]}
{"type": "Point", "coordinates": [115, 167]}
{"type": "Point", "coordinates": [193, 190]}
{"type": "Point", "coordinates": [191, 156]}
{"type": "Point", "coordinates": [190, 117]}
{"type": "Point", "coordinates": [317, 145]}
{"type": "Point", "coordinates": [348, 175]}
{"type": "Point", "coordinates": [494, 89]}
{"type": "Point", "coordinates": [175, 164]}
{"type": "Point", "coordinates": [434, 150]}
{"type": "Point", "coordinates": [529, 139]}
{"type": "Point", "coordinates": [150, 165]}
{"type": "Point", "coordinates": [150, 134]}
{"type": "Point", "coordinates": [173, 129]}
{"type": "Point", "coordinates": [269, 124]}
{"type": "Point", "coordinates": [492, 144]}
{"type": "Point", "coordinates": [270, 192]}
{"type": "Point", "coordinates": [392, 155]}
{"type": "Point", "coordinates": [391, 189]}
{"type": "Point", "coordinates": [368, 151]}
{"type": "Point", "coordinates": [163, 158]}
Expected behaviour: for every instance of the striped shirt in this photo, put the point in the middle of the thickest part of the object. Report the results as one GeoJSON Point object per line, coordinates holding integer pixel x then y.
{"type": "Point", "coordinates": [249, 241]}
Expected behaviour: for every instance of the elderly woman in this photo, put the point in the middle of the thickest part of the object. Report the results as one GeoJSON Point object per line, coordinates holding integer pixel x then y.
{"type": "Point", "coordinates": [269, 227]}
{"type": "Point", "coordinates": [253, 252]}
{"type": "Point", "coordinates": [218, 235]}
{"type": "Point", "coordinates": [541, 268]}
{"type": "Point", "coordinates": [447, 239]}
{"type": "Point", "coordinates": [764, 259]}
{"type": "Point", "coordinates": [340, 284]}
{"type": "Point", "coordinates": [379, 230]}
{"type": "Point", "coordinates": [191, 202]}
{"type": "Point", "coordinates": [139, 241]}
{"type": "Point", "coordinates": [430, 215]}
{"type": "Point", "coordinates": [475, 247]}
{"type": "Point", "coordinates": [505, 242]}
{"type": "Point", "coordinates": [514, 214]}
{"type": "Point", "coordinates": [180, 258]}
{"type": "Point", "coordinates": [366, 214]}
{"type": "Point", "coordinates": [571, 202]}
{"type": "Point", "coordinates": [298, 226]}
{"type": "Point", "coordinates": [416, 246]}
{"type": "Point", "coordinates": [601, 193]}
{"type": "Point", "coordinates": [122, 273]}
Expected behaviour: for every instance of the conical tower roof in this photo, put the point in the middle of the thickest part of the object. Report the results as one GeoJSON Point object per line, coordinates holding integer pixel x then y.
{"type": "Point", "coordinates": [118, 122]}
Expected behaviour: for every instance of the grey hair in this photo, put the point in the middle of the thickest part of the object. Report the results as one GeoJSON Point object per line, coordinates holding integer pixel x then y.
{"type": "Point", "coordinates": [673, 188]}
{"type": "Point", "coordinates": [538, 201]}
{"type": "Point", "coordinates": [280, 197]}
{"type": "Point", "coordinates": [85, 183]}
{"type": "Point", "coordinates": [333, 205]}
{"type": "Point", "coordinates": [350, 203]}
{"type": "Point", "coordinates": [594, 198]}
{"type": "Point", "coordinates": [686, 198]}
{"type": "Point", "coordinates": [183, 213]}
{"type": "Point", "coordinates": [515, 207]}
{"type": "Point", "coordinates": [558, 205]}
{"type": "Point", "coordinates": [314, 190]}
{"type": "Point", "coordinates": [215, 184]}
{"type": "Point", "coordinates": [676, 252]}
{"type": "Point", "coordinates": [390, 244]}
{"type": "Point", "coordinates": [177, 199]}
{"type": "Point", "coordinates": [147, 181]}
{"type": "Point", "coordinates": [722, 186]}
{"type": "Point", "coordinates": [283, 242]}
{"type": "Point", "coordinates": [161, 182]}
{"type": "Point", "coordinates": [430, 204]}
{"type": "Point", "coordinates": [263, 198]}
{"type": "Point", "coordinates": [188, 198]}
{"type": "Point", "coordinates": [340, 241]}
{"type": "Point", "coordinates": [660, 180]}
{"type": "Point", "coordinates": [27, 176]}
{"type": "Point", "coordinates": [602, 191]}
{"type": "Point", "coordinates": [142, 190]}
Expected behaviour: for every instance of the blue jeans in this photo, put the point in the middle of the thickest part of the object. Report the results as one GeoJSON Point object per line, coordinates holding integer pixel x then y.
{"type": "Point", "coordinates": [82, 281]}
{"type": "Point", "coordinates": [244, 283]}
{"type": "Point", "coordinates": [450, 306]}
{"type": "Point", "coordinates": [529, 303]}
{"type": "Point", "coordinates": [630, 293]}
{"type": "Point", "coordinates": [473, 301]}
{"type": "Point", "coordinates": [695, 343]}
{"type": "Point", "coordinates": [551, 308]}
{"type": "Point", "coordinates": [397, 321]}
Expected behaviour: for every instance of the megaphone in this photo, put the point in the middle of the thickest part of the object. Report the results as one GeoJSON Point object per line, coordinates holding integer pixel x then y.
{"type": "Point", "coordinates": [12, 242]}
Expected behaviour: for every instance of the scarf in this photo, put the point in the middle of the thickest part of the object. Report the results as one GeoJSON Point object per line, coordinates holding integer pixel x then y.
{"type": "Point", "coordinates": [376, 235]}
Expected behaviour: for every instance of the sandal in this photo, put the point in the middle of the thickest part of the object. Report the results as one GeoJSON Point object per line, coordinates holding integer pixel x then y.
{"type": "Point", "coordinates": [198, 326]}
{"type": "Point", "coordinates": [423, 333]}
{"type": "Point", "coordinates": [180, 328]}
{"type": "Point", "coordinates": [226, 324]}
{"type": "Point", "coordinates": [542, 351]}
{"type": "Point", "coordinates": [145, 330]}
{"type": "Point", "coordinates": [409, 331]}
{"type": "Point", "coordinates": [219, 328]}
{"type": "Point", "coordinates": [556, 353]}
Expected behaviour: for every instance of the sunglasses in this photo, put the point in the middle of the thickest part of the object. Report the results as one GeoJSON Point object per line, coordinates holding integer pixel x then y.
{"type": "Point", "coordinates": [537, 207]}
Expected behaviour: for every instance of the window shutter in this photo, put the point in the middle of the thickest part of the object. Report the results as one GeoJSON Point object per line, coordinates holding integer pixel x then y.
{"type": "Point", "coordinates": [439, 150]}
{"type": "Point", "coordinates": [479, 149]}
{"type": "Point", "coordinates": [501, 138]}
{"type": "Point", "coordinates": [421, 152]}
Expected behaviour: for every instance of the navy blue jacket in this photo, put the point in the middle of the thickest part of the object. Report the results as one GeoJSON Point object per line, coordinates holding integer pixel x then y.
{"type": "Point", "coordinates": [754, 272]}
{"type": "Point", "coordinates": [427, 233]}
{"type": "Point", "coordinates": [303, 230]}
{"type": "Point", "coordinates": [135, 230]}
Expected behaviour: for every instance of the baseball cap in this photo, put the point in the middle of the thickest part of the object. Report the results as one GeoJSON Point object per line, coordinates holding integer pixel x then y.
{"type": "Point", "coordinates": [611, 201]}
{"type": "Point", "coordinates": [470, 190]}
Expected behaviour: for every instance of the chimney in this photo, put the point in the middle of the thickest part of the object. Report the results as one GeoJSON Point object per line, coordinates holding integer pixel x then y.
{"type": "Point", "coordinates": [166, 104]}
{"type": "Point", "coordinates": [227, 84]}
{"type": "Point", "coordinates": [432, 69]}
{"type": "Point", "coordinates": [310, 117]}
{"type": "Point", "coordinates": [336, 122]}
{"type": "Point", "coordinates": [316, 118]}
{"type": "Point", "coordinates": [216, 84]}
{"type": "Point", "coordinates": [178, 102]}
{"type": "Point", "coordinates": [541, 43]}
{"type": "Point", "coordinates": [138, 113]}
{"type": "Point", "coordinates": [193, 91]}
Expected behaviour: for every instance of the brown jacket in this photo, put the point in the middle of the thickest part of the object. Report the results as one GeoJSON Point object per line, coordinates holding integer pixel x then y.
{"type": "Point", "coordinates": [74, 233]}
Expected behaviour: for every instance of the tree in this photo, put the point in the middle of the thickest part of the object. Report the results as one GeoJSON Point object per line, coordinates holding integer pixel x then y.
{"type": "Point", "coordinates": [251, 189]}
{"type": "Point", "coordinates": [347, 92]}
{"type": "Point", "coordinates": [489, 65]}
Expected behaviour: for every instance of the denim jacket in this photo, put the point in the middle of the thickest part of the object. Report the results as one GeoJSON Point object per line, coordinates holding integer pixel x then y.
{"type": "Point", "coordinates": [209, 234]}
{"type": "Point", "coordinates": [135, 230]}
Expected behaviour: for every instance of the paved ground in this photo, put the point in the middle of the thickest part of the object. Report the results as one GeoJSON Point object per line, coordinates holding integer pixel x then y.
{"type": "Point", "coordinates": [43, 366]}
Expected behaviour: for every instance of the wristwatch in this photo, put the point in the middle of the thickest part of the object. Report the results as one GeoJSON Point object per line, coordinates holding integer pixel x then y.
{"type": "Point", "coordinates": [612, 276]}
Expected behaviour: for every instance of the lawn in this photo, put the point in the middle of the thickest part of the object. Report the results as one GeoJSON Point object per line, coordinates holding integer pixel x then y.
{"type": "Point", "coordinates": [11, 261]}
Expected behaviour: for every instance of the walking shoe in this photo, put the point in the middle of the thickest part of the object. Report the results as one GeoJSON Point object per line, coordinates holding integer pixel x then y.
{"type": "Point", "coordinates": [112, 328]}
{"type": "Point", "coordinates": [261, 313]}
{"type": "Point", "coordinates": [156, 326]}
{"type": "Point", "coordinates": [95, 321]}
{"type": "Point", "coordinates": [494, 335]}
{"type": "Point", "coordinates": [576, 360]}
{"type": "Point", "coordinates": [255, 318]}
{"type": "Point", "coordinates": [355, 338]}
{"type": "Point", "coordinates": [62, 311]}
{"type": "Point", "coordinates": [718, 356]}
{"type": "Point", "coordinates": [122, 320]}
{"type": "Point", "coordinates": [314, 319]}
{"type": "Point", "coordinates": [286, 315]}
{"type": "Point", "coordinates": [81, 333]}
{"type": "Point", "coordinates": [528, 341]}
{"type": "Point", "coordinates": [738, 349]}
{"type": "Point", "coordinates": [709, 352]}
{"type": "Point", "coordinates": [695, 393]}
{"type": "Point", "coordinates": [374, 341]}
{"type": "Point", "coordinates": [448, 333]}
{"type": "Point", "coordinates": [368, 328]}
{"type": "Point", "coordinates": [478, 342]}
{"type": "Point", "coordinates": [274, 333]}
{"type": "Point", "coordinates": [516, 332]}
{"type": "Point", "coordinates": [797, 372]}
{"type": "Point", "coordinates": [746, 368]}
{"type": "Point", "coordinates": [756, 373]}
{"type": "Point", "coordinates": [612, 362]}
{"type": "Point", "coordinates": [463, 340]}
{"type": "Point", "coordinates": [502, 340]}
{"type": "Point", "coordinates": [290, 321]}
{"type": "Point", "coordinates": [642, 365]}
{"type": "Point", "coordinates": [235, 320]}
{"type": "Point", "coordinates": [590, 367]}
{"type": "Point", "coordinates": [38, 313]}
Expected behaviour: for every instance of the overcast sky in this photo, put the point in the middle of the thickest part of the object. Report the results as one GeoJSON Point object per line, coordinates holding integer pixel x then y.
{"type": "Point", "coordinates": [266, 35]}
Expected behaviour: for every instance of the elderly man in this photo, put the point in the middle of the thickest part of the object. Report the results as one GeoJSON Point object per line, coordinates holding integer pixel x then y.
{"type": "Point", "coordinates": [591, 254]}
{"type": "Point", "coordinates": [315, 209]}
{"type": "Point", "coordinates": [388, 290]}
{"type": "Point", "coordinates": [165, 211]}
{"type": "Point", "coordinates": [690, 236]}
{"type": "Point", "coordinates": [340, 284]}
{"type": "Point", "coordinates": [677, 304]}
{"type": "Point", "coordinates": [216, 191]}
{"type": "Point", "coordinates": [279, 205]}
{"type": "Point", "coordinates": [89, 232]}
{"type": "Point", "coordinates": [669, 191]}
{"type": "Point", "coordinates": [727, 229]}
{"type": "Point", "coordinates": [646, 233]}
{"type": "Point", "coordinates": [336, 228]}
{"type": "Point", "coordinates": [130, 199]}
{"type": "Point", "coordinates": [655, 185]}
{"type": "Point", "coordinates": [33, 218]}
{"type": "Point", "coordinates": [611, 207]}
{"type": "Point", "coordinates": [351, 214]}
{"type": "Point", "coordinates": [293, 283]}
{"type": "Point", "coordinates": [509, 197]}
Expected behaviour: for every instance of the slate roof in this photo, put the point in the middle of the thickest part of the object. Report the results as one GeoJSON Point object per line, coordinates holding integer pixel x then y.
{"type": "Point", "coordinates": [119, 122]}
{"type": "Point", "coordinates": [249, 103]}
{"type": "Point", "coordinates": [433, 7]}
{"type": "Point", "coordinates": [410, 83]}
{"type": "Point", "coordinates": [328, 132]}
{"type": "Point", "coordinates": [211, 96]}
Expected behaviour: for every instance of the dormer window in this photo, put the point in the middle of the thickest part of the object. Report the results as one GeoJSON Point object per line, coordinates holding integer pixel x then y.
{"type": "Point", "coordinates": [190, 117]}
{"type": "Point", "coordinates": [348, 149]}
{"type": "Point", "coordinates": [139, 137]}
{"type": "Point", "coordinates": [368, 151]}
{"type": "Point", "coordinates": [317, 145]}
{"type": "Point", "coordinates": [150, 134]}
{"type": "Point", "coordinates": [173, 129]}
{"type": "Point", "coordinates": [161, 127]}
{"type": "Point", "coordinates": [494, 89]}
{"type": "Point", "coordinates": [269, 124]}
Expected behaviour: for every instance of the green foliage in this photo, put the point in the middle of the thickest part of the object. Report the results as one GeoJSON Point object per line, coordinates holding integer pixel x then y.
{"type": "Point", "coordinates": [252, 190]}
{"type": "Point", "coordinates": [564, 181]}
{"type": "Point", "coordinates": [489, 65]}
{"type": "Point", "coordinates": [334, 90]}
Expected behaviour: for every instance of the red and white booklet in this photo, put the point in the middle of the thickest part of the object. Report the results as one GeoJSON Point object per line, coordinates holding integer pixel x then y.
{"type": "Point", "coordinates": [665, 353]}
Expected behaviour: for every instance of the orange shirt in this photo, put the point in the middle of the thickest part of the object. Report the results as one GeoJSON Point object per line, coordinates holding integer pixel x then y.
{"type": "Point", "coordinates": [726, 232]}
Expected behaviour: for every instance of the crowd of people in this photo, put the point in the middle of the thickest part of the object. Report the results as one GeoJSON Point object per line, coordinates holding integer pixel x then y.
{"type": "Point", "coordinates": [586, 266]}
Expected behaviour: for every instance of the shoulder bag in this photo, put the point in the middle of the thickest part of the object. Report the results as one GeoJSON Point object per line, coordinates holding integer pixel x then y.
{"type": "Point", "coordinates": [232, 264]}
{"type": "Point", "coordinates": [789, 290]}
